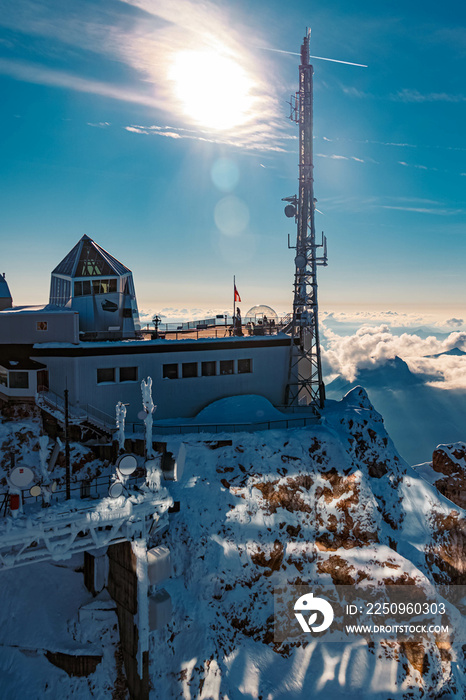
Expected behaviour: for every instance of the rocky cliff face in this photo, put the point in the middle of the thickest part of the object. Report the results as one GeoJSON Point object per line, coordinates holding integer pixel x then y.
{"type": "Point", "coordinates": [450, 463]}
{"type": "Point", "coordinates": [331, 504]}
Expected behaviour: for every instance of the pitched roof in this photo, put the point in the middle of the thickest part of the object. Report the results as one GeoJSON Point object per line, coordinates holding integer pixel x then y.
{"type": "Point", "coordinates": [87, 259]}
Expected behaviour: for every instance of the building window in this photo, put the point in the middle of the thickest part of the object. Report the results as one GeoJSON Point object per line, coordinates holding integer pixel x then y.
{"type": "Point", "coordinates": [189, 369]}
{"type": "Point", "coordinates": [41, 325]}
{"type": "Point", "coordinates": [101, 286]}
{"type": "Point", "coordinates": [209, 369]}
{"type": "Point", "coordinates": [82, 289]}
{"type": "Point", "coordinates": [19, 380]}
{"type": "Point", "coordinates": [106, 374]}
{"type": "Point", "coordinates": [3, 378]}
{"type": "Point", "coordinates": [226, 367]}
{"type": "Point", "coordinates": [60, 291]}
{"type": "Point", "coordinates": [244, 366]}
{"type": "Point", "coordinates": [128, 374]}
{"type": "Point", "coordinates": [170, 371]}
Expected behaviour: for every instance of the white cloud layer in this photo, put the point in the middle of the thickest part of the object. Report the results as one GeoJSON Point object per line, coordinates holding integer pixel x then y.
{"type": "Point", "coordinates": [372, 346]}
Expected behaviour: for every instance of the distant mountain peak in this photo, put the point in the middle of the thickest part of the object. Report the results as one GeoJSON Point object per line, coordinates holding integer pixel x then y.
{"type": "Point", "coordinates": [455, 352]}
{"type": "Point", "coordinates": [391, 373]}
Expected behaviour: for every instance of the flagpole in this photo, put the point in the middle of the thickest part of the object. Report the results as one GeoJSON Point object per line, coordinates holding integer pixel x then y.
{"type": "Point", "coordinates": [234, 301]}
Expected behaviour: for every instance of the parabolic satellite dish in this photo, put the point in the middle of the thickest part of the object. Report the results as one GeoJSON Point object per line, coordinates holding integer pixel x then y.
{"type": "Point", "coordinates": [127, 464]}
{"type": "Point", "coordinates": [116, 489]}
{"type": "Point", "coordinates": [22, 477]}
{"type": "Point", "coordinates": [35, 490]}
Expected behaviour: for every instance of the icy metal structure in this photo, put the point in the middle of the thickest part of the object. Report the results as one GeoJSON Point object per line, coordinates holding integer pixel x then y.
{"type": "Point", "coordinates": [305, 385]}
{"type": "Point", "coordinates": [120, 424]}
{"type": "Point", "coordinates": [62, 530]}
{"type": "Point", "coordinates": [149, 408]}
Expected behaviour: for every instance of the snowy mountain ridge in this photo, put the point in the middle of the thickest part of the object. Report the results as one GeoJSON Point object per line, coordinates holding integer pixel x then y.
{"type": "Point", "coordinates": [332, 503]}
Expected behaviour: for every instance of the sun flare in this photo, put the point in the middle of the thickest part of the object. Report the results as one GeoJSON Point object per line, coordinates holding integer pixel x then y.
{"type": "Point", "coordinates": [214, 90]}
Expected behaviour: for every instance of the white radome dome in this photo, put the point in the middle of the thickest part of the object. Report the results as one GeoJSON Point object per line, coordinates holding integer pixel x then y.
{"type": "Point", "coordinates": [260, 311]}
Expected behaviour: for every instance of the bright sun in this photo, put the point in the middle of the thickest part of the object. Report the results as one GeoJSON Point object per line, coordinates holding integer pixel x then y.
{"type": "Point", "coordinates": [214, 90]}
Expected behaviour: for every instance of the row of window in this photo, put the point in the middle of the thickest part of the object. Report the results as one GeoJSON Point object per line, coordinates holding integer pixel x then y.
{"type": "Point", "coordinates": [125, 374]}
{"type": "Point", "coordinates": [88, 287]}
{"type": "Point", "coordinates": [84, 288]}
{"type": "Point", "coordinates": [185, 370]}
{"type": "Point", "coordinates": [206, 369]}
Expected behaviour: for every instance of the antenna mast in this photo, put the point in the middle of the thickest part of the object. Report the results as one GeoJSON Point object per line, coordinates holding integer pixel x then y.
{"type": "Point", "coordinates": [305, 385]}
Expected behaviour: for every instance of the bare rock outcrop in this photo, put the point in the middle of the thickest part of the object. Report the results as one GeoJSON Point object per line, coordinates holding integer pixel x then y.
{"type": "Point", "coordinates": [450, 462]}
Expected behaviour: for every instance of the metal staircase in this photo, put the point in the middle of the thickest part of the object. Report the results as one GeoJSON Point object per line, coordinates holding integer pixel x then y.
{"type": "Point", "coordinates": [85, 414]}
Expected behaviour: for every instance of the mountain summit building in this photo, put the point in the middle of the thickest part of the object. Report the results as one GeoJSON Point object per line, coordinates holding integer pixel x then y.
{"type": "Point", "coordinates": [88, 339]}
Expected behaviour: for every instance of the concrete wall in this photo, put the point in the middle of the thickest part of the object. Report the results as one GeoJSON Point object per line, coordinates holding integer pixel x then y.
{"type": "Point", "coordinates": [27, 326]}
{"type": "Point", "coordinates": [174, 397]}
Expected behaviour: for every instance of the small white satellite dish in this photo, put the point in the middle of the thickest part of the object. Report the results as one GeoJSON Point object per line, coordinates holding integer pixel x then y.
{"type": "Point", "coordinates": [127, 464]}
{"type": "Point", "coordinates": [35, 490]}
{"type": "Point", "coordinates": [53, 488]}
{"type": "Point", "coordinates": [116, 489]}
{"type": "Point", "coordinates": [142, 415]}
{"type": "Point", "coordinates": [22, 477]}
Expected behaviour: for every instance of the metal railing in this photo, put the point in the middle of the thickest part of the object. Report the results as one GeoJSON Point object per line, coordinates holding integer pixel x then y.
{"type": "Point", "coordinates": [86, 489]}
{"type": "Point", "coordinates": [78, 414]}
{"type": "Point", "coordinates": [277, 424]}
{"type": "Point", "coordinates": [219, 327]}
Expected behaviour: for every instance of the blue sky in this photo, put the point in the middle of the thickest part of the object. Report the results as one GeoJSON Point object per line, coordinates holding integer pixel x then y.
{"type": "Point", "coordinates": [109, 128]}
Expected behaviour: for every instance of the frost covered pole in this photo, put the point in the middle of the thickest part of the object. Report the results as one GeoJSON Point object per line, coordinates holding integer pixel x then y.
{"type": "Point", "coordinates": [67, 449]}
{"type": "Point", "coordinates": [120, 424]}
{"type": "Point", "coordinates": [45, 474]}
{"type": "Point", "coordinates": [43, 457]}
{"type": "Point", "coordinates": [149, 408]}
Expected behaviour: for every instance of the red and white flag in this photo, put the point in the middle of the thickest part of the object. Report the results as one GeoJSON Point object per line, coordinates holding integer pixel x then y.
{"type": "Point", "coordinates": [237, 296]}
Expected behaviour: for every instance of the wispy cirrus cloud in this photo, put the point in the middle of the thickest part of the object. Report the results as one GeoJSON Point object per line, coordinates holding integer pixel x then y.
{"type": "Point", "coordinates": [147, 37]}
{"type": "Point", "coordinates": [405, 95]}
{"type": "Point", "coordinates": [99, 125]}
{"type": "Point", "coordinates": [425, 210]}
{"type": "Point", "coordinates": [393, 144]}
{"type": "Point", "coordinates": [335, 156]}
{"type": "Point", "coordinates": [411, 95]}
{"type": "Point", "coordinates": [260, 140]}
{"type": "Point", "coordinates": [415, 205]}
{"type": "Point", "coordinates": [42, 75]}
{"type": "Point", "coordinates": [415, 165]}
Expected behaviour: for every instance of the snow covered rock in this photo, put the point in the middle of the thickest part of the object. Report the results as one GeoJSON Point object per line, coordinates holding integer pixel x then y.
{"type": "Point", "coordinates": [450, 462]}
{"type": "Point", "coordinates": [332, 503]}
{"type": "Point", "coordinates": [450, 459]}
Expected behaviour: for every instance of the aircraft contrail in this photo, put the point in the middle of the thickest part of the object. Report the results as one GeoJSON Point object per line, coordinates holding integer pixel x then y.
{"type": "Point", "coordinates": [321, 58]}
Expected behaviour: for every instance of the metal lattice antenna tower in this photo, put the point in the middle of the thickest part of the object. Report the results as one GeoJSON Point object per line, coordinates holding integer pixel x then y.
{"type": "Point", "coordinates": [305, 383]}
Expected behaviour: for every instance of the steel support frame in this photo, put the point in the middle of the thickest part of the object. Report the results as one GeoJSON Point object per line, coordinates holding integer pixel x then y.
{"type": "Point", "coordinates": [57, 538]}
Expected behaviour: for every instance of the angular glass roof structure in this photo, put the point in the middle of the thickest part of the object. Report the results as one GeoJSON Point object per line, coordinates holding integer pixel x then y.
{"type": "Point", "coordinates": [4, 289]}
{"type": "Point", "coordinates": [87, 259]}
